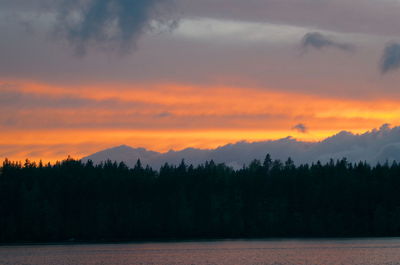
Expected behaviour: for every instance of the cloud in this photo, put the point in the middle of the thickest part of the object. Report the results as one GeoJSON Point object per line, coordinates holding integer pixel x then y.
{"type": "Point", "coordinates": [164, 114]}
{"type": "Point", "coordinates": [356, 16]}
{"type": "Point", "coordinates": [385, 127]}
{"type": "Point", "coordinates": [391, 58]}
{"type": "Point", "coordinates": [14, 99]}
{"type": "Point", "coordinates": [300, 128]}
{"type": "Point", "coordinates": [110, 22]}
{"type": "Point", "coordinates": [375, 146]}
{"type": "Point", "coordinates": [318, 41]}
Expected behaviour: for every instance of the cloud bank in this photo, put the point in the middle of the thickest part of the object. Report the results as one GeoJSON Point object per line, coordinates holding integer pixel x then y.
{"type": "Point", "coordinates": [378, 145]}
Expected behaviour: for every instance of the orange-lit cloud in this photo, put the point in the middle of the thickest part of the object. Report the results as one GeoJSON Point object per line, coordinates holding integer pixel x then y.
{"type": "Point", "coordinates": [52, 121]}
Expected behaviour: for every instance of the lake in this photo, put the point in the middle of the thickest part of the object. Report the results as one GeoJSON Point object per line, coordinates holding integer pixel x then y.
{"type": "Point", "coordinates": [272, 252]}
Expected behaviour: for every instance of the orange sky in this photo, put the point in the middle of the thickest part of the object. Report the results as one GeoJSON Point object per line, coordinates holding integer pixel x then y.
{"type": "Point", "coordinates": [74, 81]}
{"type": "Point", "coordinates": [49, 122]}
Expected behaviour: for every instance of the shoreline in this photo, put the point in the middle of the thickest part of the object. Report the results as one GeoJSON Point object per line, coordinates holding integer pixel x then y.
{"type": "Point", "coordinates": [199, 240]}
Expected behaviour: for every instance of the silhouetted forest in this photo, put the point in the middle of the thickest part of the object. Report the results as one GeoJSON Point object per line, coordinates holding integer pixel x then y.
{"type": "Point", "coordinates": [71, 200]}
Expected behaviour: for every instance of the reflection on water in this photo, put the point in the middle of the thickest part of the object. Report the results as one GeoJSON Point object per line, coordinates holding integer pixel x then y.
{"type": "Point", "coordinates": [276, 252]}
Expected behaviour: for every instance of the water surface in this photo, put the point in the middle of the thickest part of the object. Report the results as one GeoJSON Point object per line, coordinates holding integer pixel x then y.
{"type": "Point", "coordinates": [240, 252]}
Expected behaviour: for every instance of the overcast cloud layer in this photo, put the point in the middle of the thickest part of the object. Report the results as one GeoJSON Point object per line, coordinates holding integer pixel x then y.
{"type": "Point", "coordinates": [39, 38]}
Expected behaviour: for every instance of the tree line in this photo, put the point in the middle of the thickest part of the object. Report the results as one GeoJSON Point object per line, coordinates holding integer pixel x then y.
{"type": "Point", "coordinates": [75, 201]}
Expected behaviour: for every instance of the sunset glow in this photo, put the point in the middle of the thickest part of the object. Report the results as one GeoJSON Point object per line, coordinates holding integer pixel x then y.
{"type": "Point", "coordinates": [78, 120]}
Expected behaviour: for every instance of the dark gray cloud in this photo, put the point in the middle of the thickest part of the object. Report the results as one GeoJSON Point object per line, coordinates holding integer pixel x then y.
{"type": "Point", "coordinates": [110, 23]}
{"type": "Point", "coordinates": [300, 128]}
{"type": "Point", "coordinates": [164, 114]}
{"type": "Point", "coordinates": [391, 58]}
{"type": "Point", "coordinates": [318, 41]}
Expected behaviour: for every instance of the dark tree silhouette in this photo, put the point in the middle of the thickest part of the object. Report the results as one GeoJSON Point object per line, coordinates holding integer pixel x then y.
{"type": "Point", "coordinates": [111, 202]}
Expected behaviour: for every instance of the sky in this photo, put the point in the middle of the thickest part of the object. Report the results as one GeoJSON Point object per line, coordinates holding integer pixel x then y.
{"type": "Point", "coordinates": [78, 76]}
